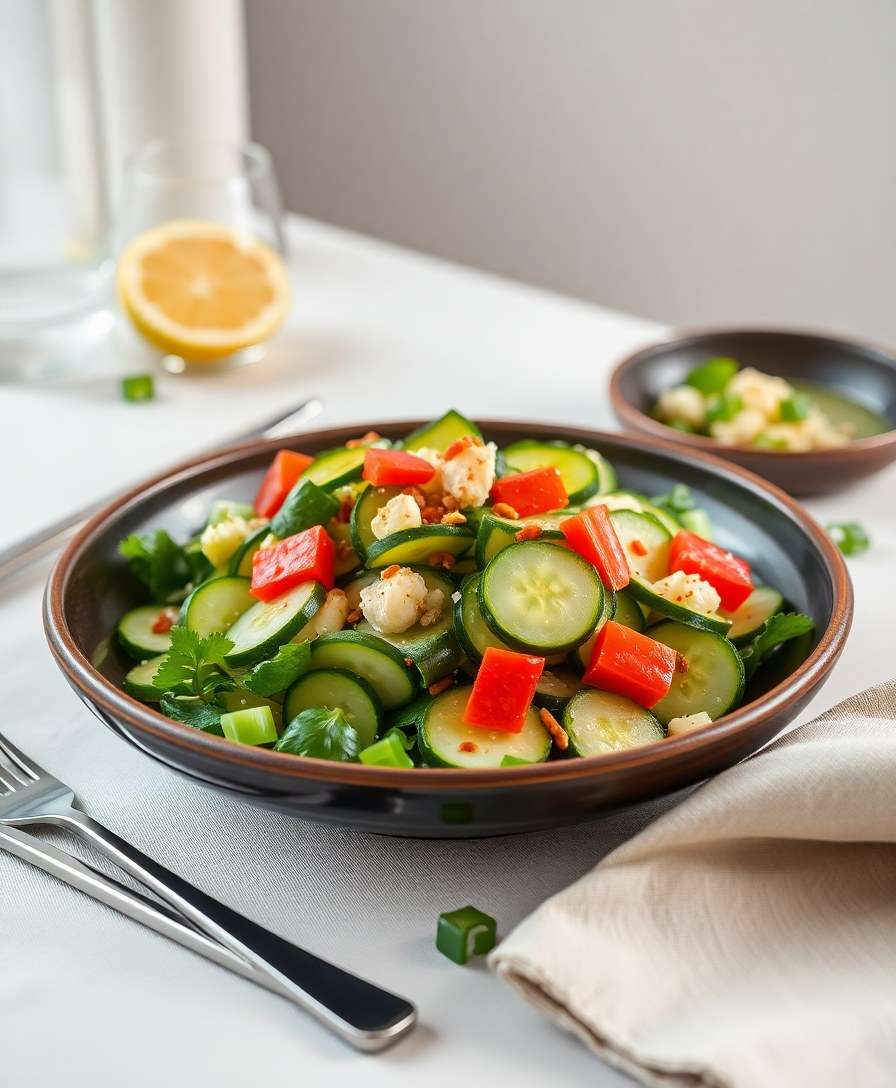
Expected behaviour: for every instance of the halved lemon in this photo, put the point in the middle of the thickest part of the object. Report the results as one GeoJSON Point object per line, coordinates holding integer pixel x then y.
{"type": "Point", "coordinates": [202, 290]}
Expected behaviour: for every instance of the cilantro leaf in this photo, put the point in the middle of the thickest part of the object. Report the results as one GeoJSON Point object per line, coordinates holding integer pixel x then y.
{"type": "Point", "coordinates": [195, 666]}
{"type": "Point", "coordinates": [157, 561]}
{"type": "Point", "coordinates": [320, 732]}
{"type": "Point", "coordinates": [287, 665]}
{"type": "Point", "coordinates": [773, 633]}
{"type": "Point", "coordinates": [676, 501]}
{"type": "Point", "coordinates": [194, 712]}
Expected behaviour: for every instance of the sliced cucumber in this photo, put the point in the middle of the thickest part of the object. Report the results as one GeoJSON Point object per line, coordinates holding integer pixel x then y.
{"type": "Point", "coordinates": [337, 689]}
{"type": "Point", "coordinates": [138, 682]}
{"type": "Point", "coordinates": [473, 633]}
{"type": "Point", "coordinates": [763, 603]}
{"type": "Point", "coordinates": [333, 468]}
{"type": "Point", "coordinates": [348, 560]}
{"type": "Point", "coordinates": [434, 650]}
{"type": "Point", "coordinates": [217, 604]}
{"type": "Point", "coordinates": [241, 560]}
{"type": "Point", "coordinates": [541, 598]}
{"type": "Point", "coordinates": [367, 506]}
{"type": "Point", "coordinates": [555, 688]}
{"type": "Point", "coordinates": [645, 543]}
{"type": "Point", "coordinates": [370, 657]}
{"type": "Point", "coordinates": [494, 533]}
{"type": "Point", "coordinates": [669, 523]}
{"type": "Point", "coordinates": [644, 592]}
{"type": "Point", "coordinates": [136, 636]}
{"type": "Point", "coordinates": [463, 567]}
{"type": "Point", "coordinates": [582, 653]}
{"type": "Point", "coordinates": [628, 611]}
{"type": "Point", "coordinates": [419, 545]}
{"type": "Point", "coordinates": [354, 585]}
{"type": "Point", "coordinates": [579, 472]}
{"type": "Point", "coordinates": [439, 434]}
{"type": "Point", "coordinates": [265, 626]}
{"type": "Point", "coordinates": [598, 722]}
{"type": "Point", "coordinates": [444, 737]}
{"type": "Point", "coordinates": [605, 471]}
{"type": "Point", "coordinates": [714, 679]}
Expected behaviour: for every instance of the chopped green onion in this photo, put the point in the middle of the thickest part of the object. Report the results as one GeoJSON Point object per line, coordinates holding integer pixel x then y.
{"type": "Point", "coordinates": [464, 933]}
{"type": "Point", "coordinates": [138, 387]}
{"type": "Point", "coordinates": [515, 761]}
{"type": "Point", "coordinates": [795, 408]}
{"type": "Point", "coordinates": [849, 537]}
{"type": "Point", "coordinates": [697, 521]}
{"type": "Point", "coordinates": [713, 375]}
{"type": "Point", "coordinates": [254, 725]}
{"type": "Point", "coordinates": [723, 407]}
{"type": "Point", "coordinates": [680, 425]}
{"type": "Point", "coordinates": [388, 752]}
{"type": "Point", "coordinates": [769, 442]}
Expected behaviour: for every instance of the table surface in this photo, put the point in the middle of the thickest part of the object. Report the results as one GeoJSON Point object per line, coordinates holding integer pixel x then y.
{"type": "Point", "coordinates": [88, 997]}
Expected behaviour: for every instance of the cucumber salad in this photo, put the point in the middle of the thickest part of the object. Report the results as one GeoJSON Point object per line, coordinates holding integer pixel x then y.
{"type": "Point", "coordinates": [440, 602]}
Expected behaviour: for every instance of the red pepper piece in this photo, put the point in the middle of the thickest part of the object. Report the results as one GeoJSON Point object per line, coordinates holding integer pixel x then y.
{"type": "Point", "coordinates": [533, 492]}
{"type": "Point", "coordinates": [278, 481]}
{"type": "Point", "coordinates": [630, 664]}
{"type": "Point", "coordinates": [728, 574]}
{"type": "Point", "coordinates": [308, 556]}
{"type": "Point", "coordinates": [383, 467]}
{"type": "Point", "coordinates": [592, 535]}
{"type": "Point", "coordinates": [503, 690]}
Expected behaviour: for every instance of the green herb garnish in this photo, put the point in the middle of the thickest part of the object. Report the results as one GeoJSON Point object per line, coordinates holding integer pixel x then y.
{"type": "Point", "coordinates": [194, 666]}
{"type": "Point", "coordinates": [713, 375]}
{"type": "Point", "coordinates": [850, 537]}
{"type": "Point", "coordinates": [795, 408]}
{"type": "Point", "coordinates": [323, 733]}
{"type": "Point", "coordinates": [194, 712]}
{"type": "Point", "coordinates": [723, 407]}
{"type": "Point", "coordinates": [774, 632]}
{"type": "Point", "coordinates": [676, 501]}
{"type": "Point", "coordinates": [158, 562]}
{"type": "Point", "coordinates": [286, 666]}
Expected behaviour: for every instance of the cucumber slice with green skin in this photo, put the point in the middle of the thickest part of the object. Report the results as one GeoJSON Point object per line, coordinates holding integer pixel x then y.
{"type": "Point", "coordinates": [417, 545]}
{"type": "Point", "coordinates": [434, 650]}
{"type": "Point", "coordinates": [598, 722]}
{"type": "Point", "coordinates": [605, 471]}
{"type": "Point", "coordinates": [264, 627]}
{"type": "Point", "coordinates": [136, 636]}
{"type": "Point", "coordinates": [555, 688]}
{"type": "Point", "coordinates": [540, 598]}
{"type": "Point", "coordinates": [463, 567]}
{"type": "Point", "coordinates": [350, 560]}
{"type": "Point", "coordinates": [669, 523]}
{"type": "Point", "coordinates": [643, 592]}
{"type": "Point", "coordinates": [582, 653]}
{"type": "Point", "coordinates": [473, 633]}
{"type": "Point", "coordinates": [354, 585]}
{"type": "Point", "coordinates": [367, 506]}
{"type": "Point", "coordinates": [628, 611]}
{"type": "Point", "coordinates": [373, 659]}
{"type": "Point", "coordinates": [216, 604]}
{"type": "Point", "coordinates": [494, 533]}
{"type": "Point", "coordinates": [241, 560]}
{"type": "Point", "coordinates": [333, 468]}
{"type": "Point", "coordinates": [763, 603]}
{"type": "Point", "coordinates": [714, 680]}
{"type": "Point", "coordinates": [579, 472]}
{"type": "Point", "coordinates": [138, 682]}
{"type": "Point", "coordinates": [443, 731]}
{"type": "Point", "coordinates": [439, 434]}
{"type": "Point", "coordinates": [337, 689]}
{"type": "Point", "coordinates": [643, 533]}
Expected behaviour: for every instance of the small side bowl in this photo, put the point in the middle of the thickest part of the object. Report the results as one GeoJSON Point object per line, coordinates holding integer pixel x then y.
{"type": "Point", "coordinates": [862, 372]}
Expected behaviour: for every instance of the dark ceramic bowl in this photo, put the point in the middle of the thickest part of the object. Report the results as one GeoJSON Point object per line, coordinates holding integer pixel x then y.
{"type": "Point", "coordinates": [90, 588]}
{"type": "Point", "coordinates": [864, 374]}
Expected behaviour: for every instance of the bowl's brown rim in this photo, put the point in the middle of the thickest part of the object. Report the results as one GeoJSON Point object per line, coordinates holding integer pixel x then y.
{"type": "Point", "coordinates": [116, 703]}
{"type": "Point", "coordinates": [631, 416]}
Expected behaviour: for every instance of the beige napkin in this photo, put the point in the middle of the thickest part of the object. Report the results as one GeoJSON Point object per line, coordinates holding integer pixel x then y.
{"type": "Point", "coordinates": [747, 939]}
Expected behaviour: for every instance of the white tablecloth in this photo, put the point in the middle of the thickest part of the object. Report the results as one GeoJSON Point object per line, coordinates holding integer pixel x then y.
{"type": "Point", "coordinates": [90, 998]}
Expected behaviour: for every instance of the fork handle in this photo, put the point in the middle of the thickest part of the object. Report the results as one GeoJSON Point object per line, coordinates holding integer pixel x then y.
{"type": "Point", "coordinates": [362, 1014]}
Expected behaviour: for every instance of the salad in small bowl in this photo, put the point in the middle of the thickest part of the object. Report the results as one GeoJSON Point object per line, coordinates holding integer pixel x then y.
{"type": "Point", "coordinates": [438, 601]}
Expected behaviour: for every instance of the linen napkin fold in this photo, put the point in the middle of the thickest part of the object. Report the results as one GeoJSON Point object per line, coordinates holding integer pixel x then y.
{"type": "Point", "coordinates": [747, 939]}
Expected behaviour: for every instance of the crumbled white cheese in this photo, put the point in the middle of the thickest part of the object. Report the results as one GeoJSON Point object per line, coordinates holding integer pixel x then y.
{"type": "Point", "coordinates": [219, 542]}
{"type": "Point", "coordinates": [392, 605]}
{"type": "Point", "coordinates": [684, 404]}
{"type": "Point", "coordinates": [434, 458]}
{"type": "Point", "coordinates": [468, 477]}
{"type": "Point", "coordinates": [760, 392]}
{"type": "Point", "coordinates": [688, 590]}
{"type": "Point", "coordinates": [616, 502]}
{"type": "Point", "coordinates": [687, 723]}
{"type": "Point", "coordinates": [741, 430]}
{"type": "Point", "coordinates": [328, 619]}
{"type": "Point", "coordinates": [400, 512]}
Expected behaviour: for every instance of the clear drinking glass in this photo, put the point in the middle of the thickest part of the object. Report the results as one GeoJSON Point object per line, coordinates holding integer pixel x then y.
{"type": "Point", "coordinates": [228, 184]}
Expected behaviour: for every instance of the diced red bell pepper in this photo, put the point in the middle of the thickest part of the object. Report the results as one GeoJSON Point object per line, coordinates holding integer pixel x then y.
{"type": "Point", "coordinates": [278, 481]}
{"type": "Point", "coordinates": [728, 574]}
{"type": "Point", "coordinates": [592, 535]}
{"type": "Point", "coordinates": [533, 492]}
{"type": "Point", "coordinates": [630, 664]}
{"type": "Point", "coordinates": [503, 690]}
{"type": "Point", "coordinates": [308, 556]}
{"type": "Point", "coordinates": [382, 467]}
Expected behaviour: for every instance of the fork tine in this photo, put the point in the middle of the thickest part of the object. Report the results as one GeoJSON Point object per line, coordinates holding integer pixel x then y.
{"type": "Point", "coordinates": [8, 784]}
{"type": "Point", "coordinates": [13, 776]}
{"type": "Point", "coordinates": [19, 760]}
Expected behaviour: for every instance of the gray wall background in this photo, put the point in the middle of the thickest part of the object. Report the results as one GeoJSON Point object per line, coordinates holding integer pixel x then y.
{"type": "Point", "coordinates": [689, 160]}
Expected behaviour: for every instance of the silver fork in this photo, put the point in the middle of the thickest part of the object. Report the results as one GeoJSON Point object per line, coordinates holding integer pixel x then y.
{"type": "Point", "coordinates": [362, 1014]}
